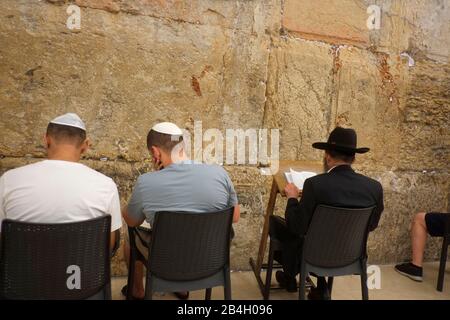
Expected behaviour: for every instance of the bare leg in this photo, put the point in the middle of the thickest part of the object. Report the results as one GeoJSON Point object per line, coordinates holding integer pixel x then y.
{"type": "Point", "coordinates": [418, 238]}
{"type": "Point", "coordinates": [138, 286]}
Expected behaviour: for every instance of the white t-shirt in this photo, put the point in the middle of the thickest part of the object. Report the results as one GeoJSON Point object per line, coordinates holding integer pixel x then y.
{"type": "Point", "coordinates": [55, 191]}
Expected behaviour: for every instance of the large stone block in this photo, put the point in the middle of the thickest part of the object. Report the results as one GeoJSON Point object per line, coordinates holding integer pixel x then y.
{"type": "Point", "coordinates": [425, 143]}
{"type": "Point", "coordinates": [298, 96]}
{"type": "Point", "coordinates": [207, 12]}
{"type": "Point", "coordinates": [337, 22]}
{"type": "Point", "coordinates": [416, 27]}
{"type": "Point", "coordinates": [366, 98]}
{"type": "Point", "coordinates": [419, 28]}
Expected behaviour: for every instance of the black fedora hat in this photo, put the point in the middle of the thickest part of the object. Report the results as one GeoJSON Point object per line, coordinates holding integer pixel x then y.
{"type": "Point", "coordinates": [341, 140]}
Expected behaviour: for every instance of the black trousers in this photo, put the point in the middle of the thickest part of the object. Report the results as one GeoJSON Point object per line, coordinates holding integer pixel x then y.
{"type": "Point", "coordinates": [290, 255]}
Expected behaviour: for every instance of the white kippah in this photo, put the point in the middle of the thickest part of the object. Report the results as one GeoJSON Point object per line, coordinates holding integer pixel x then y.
{"type": "Point", "coordinates": [168, 128]}
{"type": "Point", "coordinates": [71, 120]}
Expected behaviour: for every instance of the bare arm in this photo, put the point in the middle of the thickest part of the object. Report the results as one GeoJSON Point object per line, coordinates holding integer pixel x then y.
{"type": "Point", "coordinates": [129, 220]}
{"type": "Point", "coordinates": [236, 213]}
{"type": "Point", "coordinates": [112, 241]}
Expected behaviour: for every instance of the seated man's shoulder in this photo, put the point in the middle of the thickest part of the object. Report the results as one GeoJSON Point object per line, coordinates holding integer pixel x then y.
{"type": "Point", "coordinates": [319, 178]}
{"type": "Point", "coordinates": [207, 168]}
{"type": "Point", "coordinates": [370, 181]}
{"type": "Point", "coordinates": [217, 171]}
{"type": "Point", "coordinates": [325, 178]}
{"type": "Point", "coordinates": [153, 177]}
{"type": "Point", "coordinates": [214, 168]}
{"type": "Point", "coordinates": [98, 175]}
{"type": "Point", "coordinates": [23, 170]}
{"type": "Point", "coordinates": [195, 169]}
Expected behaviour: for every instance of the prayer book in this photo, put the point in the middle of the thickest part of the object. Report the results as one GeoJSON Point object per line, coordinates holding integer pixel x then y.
{"type": "Point", "coordinates": [298, 177]}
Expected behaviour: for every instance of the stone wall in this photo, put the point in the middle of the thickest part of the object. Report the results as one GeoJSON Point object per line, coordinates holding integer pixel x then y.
{"type": "Point", "coordinates": [298, 65]}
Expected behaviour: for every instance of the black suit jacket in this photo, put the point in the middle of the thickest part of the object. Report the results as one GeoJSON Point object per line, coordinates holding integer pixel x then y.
{"type": "Point", "coordinates": [341, 187]}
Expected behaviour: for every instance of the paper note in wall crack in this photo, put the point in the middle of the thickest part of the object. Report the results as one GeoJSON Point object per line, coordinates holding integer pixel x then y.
{"type": "Point", "coordinates": [298, 177]}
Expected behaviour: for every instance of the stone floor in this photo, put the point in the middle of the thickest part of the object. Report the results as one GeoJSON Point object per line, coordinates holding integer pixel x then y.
{"type": "Point", "coordinates": [393, 287]}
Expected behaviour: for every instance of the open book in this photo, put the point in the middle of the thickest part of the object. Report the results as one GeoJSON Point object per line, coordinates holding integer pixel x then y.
{"type": "Point", "coordinates": [298, 177]}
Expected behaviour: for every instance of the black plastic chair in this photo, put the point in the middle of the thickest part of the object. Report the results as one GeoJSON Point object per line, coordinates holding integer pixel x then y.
{"type": "Point", "coordinates": [335, 245]}
{"type": "Point", "coordinates": [187, 251]}
{"type": "Point", "coordinates": [445, 244]}
{"type": "Point", "coordinates": [40, 261]}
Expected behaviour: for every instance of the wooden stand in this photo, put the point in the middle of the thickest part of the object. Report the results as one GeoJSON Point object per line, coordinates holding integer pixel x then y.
{"type": "Point", "coordinates": [278, 184]}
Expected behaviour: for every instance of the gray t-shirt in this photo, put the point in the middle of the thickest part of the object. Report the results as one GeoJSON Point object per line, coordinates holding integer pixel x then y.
{"type": "Point", "coordinates": [185, 186]}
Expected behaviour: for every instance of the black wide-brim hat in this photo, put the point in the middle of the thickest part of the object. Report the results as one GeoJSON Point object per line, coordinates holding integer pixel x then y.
{"type": "Point", "coordinates": [341, 140]}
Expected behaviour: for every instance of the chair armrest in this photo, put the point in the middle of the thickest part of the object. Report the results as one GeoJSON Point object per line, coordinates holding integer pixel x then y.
{"type": "Point", "coordinates": [447, 225]}
{"type": "Point", "coordinates": [116, 242]}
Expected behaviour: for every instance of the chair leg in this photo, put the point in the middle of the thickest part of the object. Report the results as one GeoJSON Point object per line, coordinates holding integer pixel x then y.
{"type": "Point", "coordinates": [227, 285]}
{"type": "Point", "coordinates": [208, 294]}
{"type": "Point", "coordinates": [107, 291]}
{"type": "Point", "coordinates": [364, 288]}
{"type": "Point", "coordinates": [269, 272]}
{"type": "Point", "coordinates": [330, 284]}
{"type": "Point", "coordinates": [440, 283]}
{"type": "Point", "coordinates": [148, 286]}
{"type": "Point", "coordinates": [302, 286]}
{"type": "Point", "coordinates": [131, 270]}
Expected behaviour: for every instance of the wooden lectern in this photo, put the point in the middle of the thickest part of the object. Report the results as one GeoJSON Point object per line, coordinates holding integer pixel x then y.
{"type": "Point", "coordinates": [278, 184]}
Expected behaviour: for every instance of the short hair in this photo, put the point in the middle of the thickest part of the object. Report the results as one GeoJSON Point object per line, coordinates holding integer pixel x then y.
{"type": "Point", "coordinates": [67, 134]}
{"type": "Point", "coordinates": [162, 140]}
{"type": "Point", "coordinates": [346, 157]}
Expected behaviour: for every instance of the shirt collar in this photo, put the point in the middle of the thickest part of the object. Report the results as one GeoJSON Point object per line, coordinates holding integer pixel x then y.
{"type": "Point", "coordinates": [339, 165]}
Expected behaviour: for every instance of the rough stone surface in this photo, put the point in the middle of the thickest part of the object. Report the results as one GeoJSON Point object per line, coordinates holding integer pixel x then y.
{"type": "Point", "coordinates": [298, 65]}
{"type": "Point", "coordinates": [425, 126]}
{"type": "Point", "coordinates": [366, 99]}
{"type": "Point", "coordinates": [327, 21]}
{"type": "Point", "coordinates": [299, 95]}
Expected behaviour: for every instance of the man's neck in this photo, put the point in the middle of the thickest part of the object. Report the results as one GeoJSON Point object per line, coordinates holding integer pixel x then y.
{"type": "Point", "coordinates": [337, 164]}
{"type": "Point", "coordinates": [64, 155]}
{"type": "Point", "coordinates": [169, 160]}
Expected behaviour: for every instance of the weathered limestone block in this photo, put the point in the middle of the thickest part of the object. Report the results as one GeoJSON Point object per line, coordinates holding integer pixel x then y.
{"type": "Point", "coordinates": [415, 27]}
{"type": "Point", "coordinates": [298, 93]}
{"type": "Point", "coordinates": [338, 22]}
{"type": "Point", "coordinates": [419, 28]}
{"type": "Point", "coordinates": [206, 12]}
{"type": "Point", "coordinates": [367, 99]}
{"type": "Point", "coordinates": [425, 141]}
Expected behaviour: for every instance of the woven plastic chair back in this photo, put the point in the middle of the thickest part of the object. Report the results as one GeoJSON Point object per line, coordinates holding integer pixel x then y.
{"type": "Point", "coordinates": [190, 246]}
{"type": "Point", "coordinates": [336, 236]}
{"type": "Point", "coordinates": [43, 261]}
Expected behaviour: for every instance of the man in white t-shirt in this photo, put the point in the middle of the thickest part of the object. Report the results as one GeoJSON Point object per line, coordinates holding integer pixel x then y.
{"type": "Point", "coordinates": [60, 189]}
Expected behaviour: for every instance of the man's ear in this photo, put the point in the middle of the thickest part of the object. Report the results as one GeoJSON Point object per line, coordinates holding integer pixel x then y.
{"type": "Point", "coordinates": [46, 141]}
{"type": "Point", "coordinates": [85, 145]}
{"type": "Point", "coordinates": [156, 153]}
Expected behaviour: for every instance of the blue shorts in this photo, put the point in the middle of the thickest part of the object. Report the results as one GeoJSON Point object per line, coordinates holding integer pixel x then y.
{"type": "Point", "coordinates": [436, 222]}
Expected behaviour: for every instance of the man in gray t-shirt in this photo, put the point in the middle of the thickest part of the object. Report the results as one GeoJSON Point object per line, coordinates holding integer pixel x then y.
{"type": "Point", "coordinates": [183, 186]}
{"type": "Point", "coordinates": [179, 185]}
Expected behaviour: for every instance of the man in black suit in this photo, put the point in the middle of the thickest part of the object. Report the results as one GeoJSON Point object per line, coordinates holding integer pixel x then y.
{"type": "Point", "coordinates": [339, 186]}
